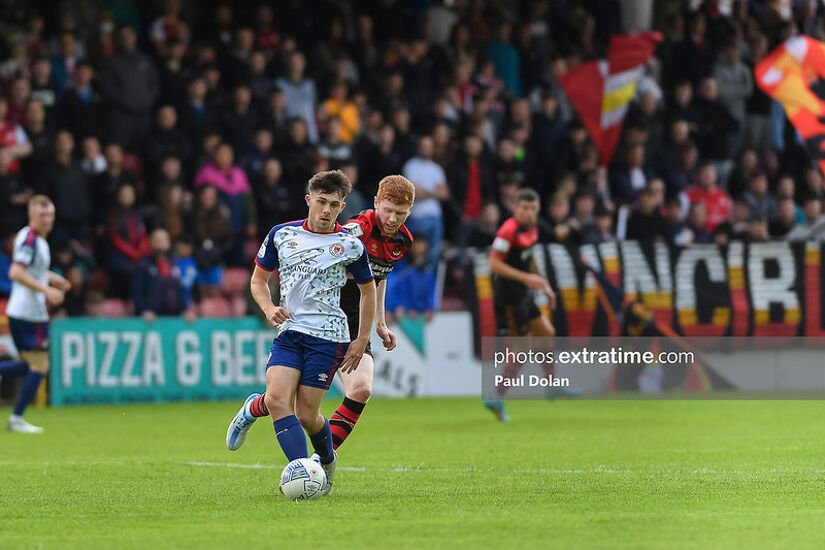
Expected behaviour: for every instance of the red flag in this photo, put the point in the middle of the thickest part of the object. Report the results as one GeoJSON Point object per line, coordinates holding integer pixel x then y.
{"type": "Point", "coordinates": [601, 91]}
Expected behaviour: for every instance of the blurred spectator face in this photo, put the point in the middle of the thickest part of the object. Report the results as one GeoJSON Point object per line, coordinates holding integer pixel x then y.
{"type": "Point", "coordinates": [786, 210]}
{"type": "Point", "coordinates": [170, 168]}
{"type": "Point", "coordinates": [245, 39]}
{"type": "Point", "coordinates": [208, 198]}
{"type": "Point", "coordinates": [128, 40]}
{"type": "Point", "coordinates": [526, 213]}
{"type": "Point", "coordinates": [35, 113]}
{"type": "Point", "coordinates": [559, 209]}
{"type": "Point", "coordinates": [441, 135]}
{"type": "Point", "coordinates": [183, 249]}
{"type": "Point", "coordinates": [64, 143]}
{"type": "Point", "coordinates": [679, 131]}
{"type": "Point", "coordinates": [425, 148]}
{"type": "Point", "coordinates": [490, 215]}
{"type": "Point", "coordinates": [91, 148]}
{"type": "Point", "coordinates": [197, 90]}
{"type": "Point", "coordinates": [41, 70]}
{"type": "Point", "coordinates": [338, 92]}
{"type": "Point", "coordinates": [732, 53]}
{"type": "Point", "coordinates": [242, 97]}
{"type": "Point", "coordinates": [519, 136]}
{"type": "Point", "coordinates": [683, 93]}
{"type": "Point", "coordinates": [758, 185]}
{"type": "Point", "coordinates": [20, 91]}
{"type": "Point", "coordinates": [264, 15]}
{"type": "Point", "coordinates": [463, 72]}
{"type": "Point", "coordinates": [688, 157]}
{"type": "Point", "coordinates": [647, 202]}
{"type": "Point", "coordinates": [786, 187]}
{"type": "Point", "coordinates": [212, 77]}
{"type": "Point", "coordinates": [813, 209]}
{"type": "Point", "coordinates": [707, 176]}
{"type": "Point", "coordinates": [578, 135]}
{"type": "Point", "coordinates": [126, 196]}
{"type": "Point", "coordinates": [224, 156]}
{"type": "Point", "coordinates": [159, 241]}
{"type": "Point", "coordinates": [114, 155]}
{"type": "Point", "coordinates": [333, 128]}
{"type": "Point", "coordinates": [507, 191]}
{"type": "Point", "coordinates": [297, 64]}
{"type": "Point", "coordinates": [277, 101]}
{"type": "Point", "coordinates": [549, 105]}
{"type": "Point", "coordinates": [506, 150]}
{"type": "Point", "coordinates": [395, 83]}
{"type": "Point", "coordinates": [401, 119]}
{"type": "Point", "coordinates": [740, 212]}
{"type": "Point", "coordinates": [263, 140]}
{"type": "Point", "coordinates": [568, 184]}
{"type": "Point", "coordinates": [386, 137]}
{"type": "Point", "coordinates": [674, 212]}
{"type": "Point", "coordinates": [709, 89]}
{"type": "Point", "coordinates": [210, 143]}
{"type": "Point", "coordinates": [167, 117]}
{"type": "Point", "coordinates": [298, 131]}
{"type": "Point", "coordinates": [758, 231]}
{"type": "Point", "coordinates": [635, 156]}
{"type": "Point", "coordinates": [604, 223]}
{"type": "Point", "coordinates": [177, 51]}
{"type": "Point", "coordinates": [473, 146]}
{"type": "Point", "coordinates": [504, 32]}
{"type": "Point", "coordinates": [647, 102]}
{"type": "Point", "coordinates": [83, 76]}
{"type": "Point", "coordinates": [749, 160]}
{"type": "Point", "coordinates": [697, 215]}
{"type": "Point", "coordinates": [657, 187]}
{"type": "Point", "coordinates": [223, 15]}
{"type": "Point", "coordinates": [585, 206]}
{"type": "Point", "coordinates": [520, 110]}
{"type": "Point", "coordinates": [257, 62]}
{"type": "Point", "coordinates": [272, 170]}
{"type": "Point", "coordinates": [813, 179]}
{"type": "Point", "coordinates": [68, 44]}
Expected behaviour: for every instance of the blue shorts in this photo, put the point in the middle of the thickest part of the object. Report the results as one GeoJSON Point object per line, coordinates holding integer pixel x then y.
{"type": "Point", "coordinates": [28, 335]}
{"type": "Point", "coordinates": [316, 358]}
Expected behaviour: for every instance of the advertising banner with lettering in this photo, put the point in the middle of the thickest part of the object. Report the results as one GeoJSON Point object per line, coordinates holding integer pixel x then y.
{"type": "Point", "coordinates": [742, 289]}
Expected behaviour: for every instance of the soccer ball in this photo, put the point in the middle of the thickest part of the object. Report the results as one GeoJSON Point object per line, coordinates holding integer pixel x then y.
{"type": "Point", "coordinates": [302, 479]}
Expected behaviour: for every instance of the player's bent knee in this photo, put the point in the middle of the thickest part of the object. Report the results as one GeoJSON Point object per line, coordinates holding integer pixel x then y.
{"type": "Point", "coordinates": [360, 393]}
{"type": "Point", "coordinates": [277, 405]}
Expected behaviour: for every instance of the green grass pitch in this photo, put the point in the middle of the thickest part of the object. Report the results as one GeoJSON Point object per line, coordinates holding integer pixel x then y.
{"type": "Point", "coordinates": [426, 473]}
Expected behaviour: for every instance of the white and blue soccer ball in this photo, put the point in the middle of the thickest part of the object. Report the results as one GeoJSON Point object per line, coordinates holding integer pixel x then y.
{"type": "Point", "coordinates": [302, 479]}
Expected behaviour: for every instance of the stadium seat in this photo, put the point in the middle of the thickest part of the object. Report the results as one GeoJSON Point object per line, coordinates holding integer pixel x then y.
{"type": "Point", "coordinates": [235, 281]}
{"type": "Point", "coordinates": [115, 307]}
{"type": "Point", "coordinates": [215, 307]}
{"type": "Point", "coordinates": [239, 305]}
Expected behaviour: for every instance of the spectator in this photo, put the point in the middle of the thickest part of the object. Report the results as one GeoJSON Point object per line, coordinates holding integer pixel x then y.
{"type": "Point", "coordinates": [239, 122]}
{"type": "Point", "coordinates": [300, 94]}
{"type": "Point", "coordinates": [64, 63]}
{"type": "Point", "coordinates": [14, 197]}
{"type": "Point", "coordinates": [234, 189]}
{"type": "Point", "coordinates": [93, 162]}
{"type": "Point", "coordinates": [128, 242]}
{"type": "Point", "coordinates": [557, 226]}
{"type": "Point", "coordinates": [41, 138]}
{"type": "Point", "coordinates": [784, 221]}
{"type": "Point", "coordinates": [632, 176]}
{"type": "Point", "coordinates": [338, 105]}
{"type": "Point", "coordinates": [506, 59]}
{"type": "Point", "coordinates": [130, 85]}
{"type": "Point", "coordinates": [717, 201]}
{"type": "Point", "coordinates": [168, 29]}
{"type": "Point", "coordinates": [42, 85]}
{"type": "Point", "coordinates": [411, 285]}
{"type": "Point", "coordinates": [167, 139]}
{"type": "Point", "coordinates": [156, 284]}
{"type": "Point", "coordinates": [68, 186]}
{"type": "Point", "coordinates": [262, 150]}
{"type": "Point", "coordinates": [187, 267]}
{"type": "Point", "coordinates": [171, 198]}
{"type": "Point", "coordinates": [697, 223]}
{"type": "Point", "coordinates": [430, 189]}
{"type": "Point", "coordinates": [108, 183]}
{"type": "Point", "coordinates": [814, 227]}
{"type": "Point", "coordinates": [677, 231]}
{"type": "Point", "coordinates": [336, 151]}
{"type": "Point", "coordinates": [646, 223]}
{"type": "Point", "coordinates": [276, 201]}
{"type": "Point", "coordinates": [714, 126]}
{"type": "Point", "coordinates": [13, 140]}
{"type": "Point", "coordinates": [377, 156]}
{"type": "Point", "coordinates": [197, 117]}
{"type": "Point", "coordinates": [735, 83]}
{"type": "Point", "coordinates": [212, 236]}
{"type": "Point", "coordinates": [297, 154]}
{"type": "Point", "coordinates": [473, 183]}
{"type": "Point", "coordinates": [81, 107]}
{"type": "Point", "coordinates": [761, 204]}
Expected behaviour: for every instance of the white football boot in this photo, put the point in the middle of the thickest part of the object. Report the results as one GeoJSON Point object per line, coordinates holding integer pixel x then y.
{"type": "Point", "coordinates": [239, 427]}
{"type": "Point", "coordinates": [329, 469]}
{"type": "Point", "coordinates": [17, 424]}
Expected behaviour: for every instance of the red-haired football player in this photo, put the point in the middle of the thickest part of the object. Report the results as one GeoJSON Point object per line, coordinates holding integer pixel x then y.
{"type": "Point", "coordinates": [387, 239]}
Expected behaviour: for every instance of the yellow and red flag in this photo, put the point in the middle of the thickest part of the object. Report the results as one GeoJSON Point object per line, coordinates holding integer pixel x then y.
{"type": "Point", "coordinates": [793, 74]}
{"type": "Point", "coordinates": [601, 91]}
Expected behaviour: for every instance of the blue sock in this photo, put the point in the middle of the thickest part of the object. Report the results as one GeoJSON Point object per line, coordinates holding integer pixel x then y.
{"type": "Point", "coordinates": [291, 437]}
{"type": "Point", "coordinates": [27, 392]}
{"type": "Point", "coordinates": [322, 441]}
{"type": "Point", "coordinates": [13, 368]}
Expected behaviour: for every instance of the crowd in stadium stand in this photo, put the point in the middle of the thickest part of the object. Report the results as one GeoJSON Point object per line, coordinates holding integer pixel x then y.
{"type": "Point", "coordinates": [172, 135]}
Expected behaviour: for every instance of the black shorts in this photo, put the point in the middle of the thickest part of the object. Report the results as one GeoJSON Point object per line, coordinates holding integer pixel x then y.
{"type": "Point", "coordinates": [514, 313]}
{"type": "Point", "coordinates": [351, 305]}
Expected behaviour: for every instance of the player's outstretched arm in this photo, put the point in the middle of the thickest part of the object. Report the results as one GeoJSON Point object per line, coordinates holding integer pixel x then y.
{"type": "Point", "coordinates": [356, 349]}
{"type": "Point", "coordinates": [275, 315]}
{"type": "Point", "coordinates": [381, 328]}
{"type": "Point", "coordinates": [19, 274]}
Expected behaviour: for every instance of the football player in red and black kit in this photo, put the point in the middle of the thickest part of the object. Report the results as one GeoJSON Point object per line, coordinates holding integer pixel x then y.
{"type": "Point", "coordinates": [386, 238]}
{"type": "Point", "coordinates": [514, 279]}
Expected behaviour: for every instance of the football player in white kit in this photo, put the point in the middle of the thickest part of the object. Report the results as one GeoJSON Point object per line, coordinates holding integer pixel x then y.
{"type": "Point", "coordinates": [32, 286]}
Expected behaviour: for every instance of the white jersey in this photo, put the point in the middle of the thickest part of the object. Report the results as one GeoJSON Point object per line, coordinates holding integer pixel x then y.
{"type": "Point", "coordinates": [32, 252]}
{"type": "Point", "coordinates": [313, 267]}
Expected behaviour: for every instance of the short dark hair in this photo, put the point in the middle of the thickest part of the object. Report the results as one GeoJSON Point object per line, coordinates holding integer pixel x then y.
{"type": "Point", "coordinates": [526, 194]}
{"type": "Point", "coordinates": [331, 181]}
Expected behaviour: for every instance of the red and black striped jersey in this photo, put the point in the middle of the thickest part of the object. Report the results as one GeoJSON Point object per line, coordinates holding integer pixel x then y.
{"type": "Point", "coordinates": [383, 252]}
{"type": "Point", "coordinates": [514, 246]}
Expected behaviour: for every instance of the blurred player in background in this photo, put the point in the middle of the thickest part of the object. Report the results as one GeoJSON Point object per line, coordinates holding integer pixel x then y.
{"type": "Point", "coordinates": [514, 279]}
{"type": "Point", "coordinates": [32, 286]}
{"type": "Point", "coordinates": [312, 257]}
{"type": "Point", "coordinates": [386, 239]}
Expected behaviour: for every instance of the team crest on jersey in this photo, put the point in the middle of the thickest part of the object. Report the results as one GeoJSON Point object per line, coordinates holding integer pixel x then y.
{"type": "Point", "coordinates": [336, 250]}
{"type": "Point", "coordinates": [396, 252]}
{"type": "Point", "coordinates": [373, 248]}
{"type": "Point", "coordinates": [292, 245]}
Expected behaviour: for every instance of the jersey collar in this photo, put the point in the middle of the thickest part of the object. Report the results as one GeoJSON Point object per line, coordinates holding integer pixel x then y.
{"type": "Point", "coordinates": [336, 229]}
